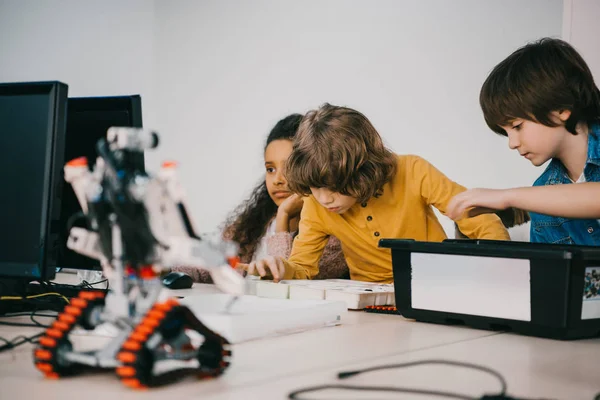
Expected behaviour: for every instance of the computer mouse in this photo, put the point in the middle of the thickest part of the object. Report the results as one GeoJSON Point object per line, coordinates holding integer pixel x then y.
{"type": "Point", "coordinates": [177, 280]}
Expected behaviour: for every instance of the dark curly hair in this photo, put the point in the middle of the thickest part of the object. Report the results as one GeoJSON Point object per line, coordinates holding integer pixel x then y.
{"type": "Point", "coordinates": [248, 222]}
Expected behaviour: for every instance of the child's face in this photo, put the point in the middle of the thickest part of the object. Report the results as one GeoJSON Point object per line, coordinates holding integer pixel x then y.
{"type": "Point", "coordinates": [276, 154]}
{"type": "Point", "coordinates": [333, 201]}
{"type": "Point", "coordinates": [537, 142]}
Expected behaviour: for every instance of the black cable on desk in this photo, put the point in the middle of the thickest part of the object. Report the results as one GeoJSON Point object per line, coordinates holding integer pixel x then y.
{"type": "Point", "coordinates": [19, 340]}
{"type": "Point", "coordinates": [83, 285]}
{"type": "Point", "coordinates": [88, 285]}
{"type": "Point", "coordinates": [294, 395]}
{"type": "Point", "coordinates": [27, 314]}
{"type": "Point", "coordinates": [497, 375]}
{"type": "Point", "coordinates": [37, 323]}
{"type": "Point", "coordinates": [15, 342]}
{"type": "Point", "coordinates": [23, 324]}
{"type": "Point", "coordinates": [347, 374]}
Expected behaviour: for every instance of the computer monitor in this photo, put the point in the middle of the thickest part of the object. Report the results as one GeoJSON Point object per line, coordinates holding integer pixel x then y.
{"type": "Point", "coordinates": [88, 119]}
{"type": "Point", "coordinates": [32, 132]}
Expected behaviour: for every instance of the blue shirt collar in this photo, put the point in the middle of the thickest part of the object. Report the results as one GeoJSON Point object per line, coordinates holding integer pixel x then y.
{"type": "Point", "coordinates": [556, 172]}
{"type": "Point", "coordinates": [594, 143]}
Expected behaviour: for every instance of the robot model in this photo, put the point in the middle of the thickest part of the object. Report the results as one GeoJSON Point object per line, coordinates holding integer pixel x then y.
{"type": "Point", "coordinates": [138, 227]}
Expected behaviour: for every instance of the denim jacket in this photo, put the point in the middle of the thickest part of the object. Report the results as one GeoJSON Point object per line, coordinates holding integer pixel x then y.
{"type": "Point", "coordinates": [546, 229]}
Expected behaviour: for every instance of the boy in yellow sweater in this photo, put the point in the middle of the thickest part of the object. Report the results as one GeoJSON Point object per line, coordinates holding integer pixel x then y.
{"type": "Point", "coordinates": [359, 191]}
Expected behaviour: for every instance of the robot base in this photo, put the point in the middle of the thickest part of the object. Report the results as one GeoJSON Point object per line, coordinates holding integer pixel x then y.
{"type": "Point", "coordinates": [162, 334]}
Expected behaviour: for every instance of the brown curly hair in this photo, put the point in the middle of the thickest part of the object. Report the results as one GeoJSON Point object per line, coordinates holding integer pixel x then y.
{"type": "Point", "coordinates": [339, 149]}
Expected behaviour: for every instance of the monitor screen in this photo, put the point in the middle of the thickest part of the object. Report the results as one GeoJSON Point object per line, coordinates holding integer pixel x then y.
{"type": "Point", "coordinates": [88, 119]}
{"type": "Point", "coordinates": [32, 129]}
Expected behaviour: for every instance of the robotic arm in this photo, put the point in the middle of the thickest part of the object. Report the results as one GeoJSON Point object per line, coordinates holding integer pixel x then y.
{"type": "Point", "coordinates": [150, 212]}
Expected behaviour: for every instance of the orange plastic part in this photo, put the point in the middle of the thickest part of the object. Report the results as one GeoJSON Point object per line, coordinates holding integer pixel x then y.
{"type": "Point", "coordinates": [52, 375]}
{"type": "Point", "coordinates": [144, 330]}
{"type": "Point", "coordinates": [48, 342]}
{"type": "Point", "coordinates": [73, 310]}
{"type": "Point", "coordinates": [44, 367]}
{"type": "Point", "coordinates": [146, 272]}
{"type": "Point", "coordinates": [172, 302]}
{"type": "Point", "coordinates": [68, 318]}
{"type": "Point", "coordinates": [151, 322]}
{"type": "Point", "coordinates": [132, 345]}
{"type": "Point", "coordinates": [55, 333]}
{"type": "Point", "coordinates": [126, 372]}
{"type": "Point", "coordinates": [42, 354]}
{"type": "Point", "coordinates": [156, 314]}
{"type": "Point", "coordinates": [78, 162]}
{"type": "Point", "coordinates": [63, 326]}
{"type": "Point", "coordinates": [133, 383]}
{"type": "Point", "coordinates": [140, 337]}
{"type": "Point", "coordinates": [163, 307]}
{"type": "Point", "coordinates": [81, 303]}
{"type": "Point", "coordinates": [233, 261]}
{"type": "Point", "coordinates": [89, 295]}
{"type": "Point", "coordinates": [126, 357]}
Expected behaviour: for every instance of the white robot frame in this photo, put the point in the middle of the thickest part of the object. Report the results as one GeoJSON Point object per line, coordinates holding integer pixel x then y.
{"type": "Point", "coordinates": [139, 227]}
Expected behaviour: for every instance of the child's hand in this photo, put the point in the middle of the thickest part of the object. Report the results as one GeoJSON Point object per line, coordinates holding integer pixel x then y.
{"type": "Point", "coordinates": [271, 264]}
{"type": "Point", "coordinates": [476, 202]}
{"type": "Point", "coordinates": [291, 206]}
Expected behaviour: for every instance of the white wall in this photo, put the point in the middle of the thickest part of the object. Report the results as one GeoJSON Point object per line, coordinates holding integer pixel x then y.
{"type": "Point", "coordinates": [99, 48]}
{"type": "Point", "coordinates": [226, 74]}
{"type": "Point", "coordinates": [215, 76]}
{"type": "Point", "coordinates": [581, 28]}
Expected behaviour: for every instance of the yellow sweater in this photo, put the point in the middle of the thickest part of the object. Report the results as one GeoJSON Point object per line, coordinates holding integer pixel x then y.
{"type": "Point", "coordinates": [404, 210]}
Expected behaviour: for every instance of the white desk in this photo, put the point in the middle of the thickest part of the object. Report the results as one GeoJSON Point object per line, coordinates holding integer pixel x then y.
{"type": "Point", "coordinates": [271, 368]}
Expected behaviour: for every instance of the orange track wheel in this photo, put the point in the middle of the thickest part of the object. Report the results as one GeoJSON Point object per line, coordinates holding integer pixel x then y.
{"type": "Point", "coordinates": [49, 355]}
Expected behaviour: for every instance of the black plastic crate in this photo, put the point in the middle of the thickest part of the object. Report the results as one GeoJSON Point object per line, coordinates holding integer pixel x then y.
{"type": "Point", "coordinates": [556, 275]}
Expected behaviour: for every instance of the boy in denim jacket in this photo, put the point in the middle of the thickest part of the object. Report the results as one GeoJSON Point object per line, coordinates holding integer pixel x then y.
{"type": "Point", "coordinates": [544, 99]}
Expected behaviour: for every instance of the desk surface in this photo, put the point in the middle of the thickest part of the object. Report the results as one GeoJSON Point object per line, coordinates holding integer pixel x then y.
{"type": "Point", "coordinates": [273, 367]}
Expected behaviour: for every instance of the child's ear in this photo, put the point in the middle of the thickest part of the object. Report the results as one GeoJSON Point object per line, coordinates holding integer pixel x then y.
{"type": "Point", "coordinates": [563, 115]}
